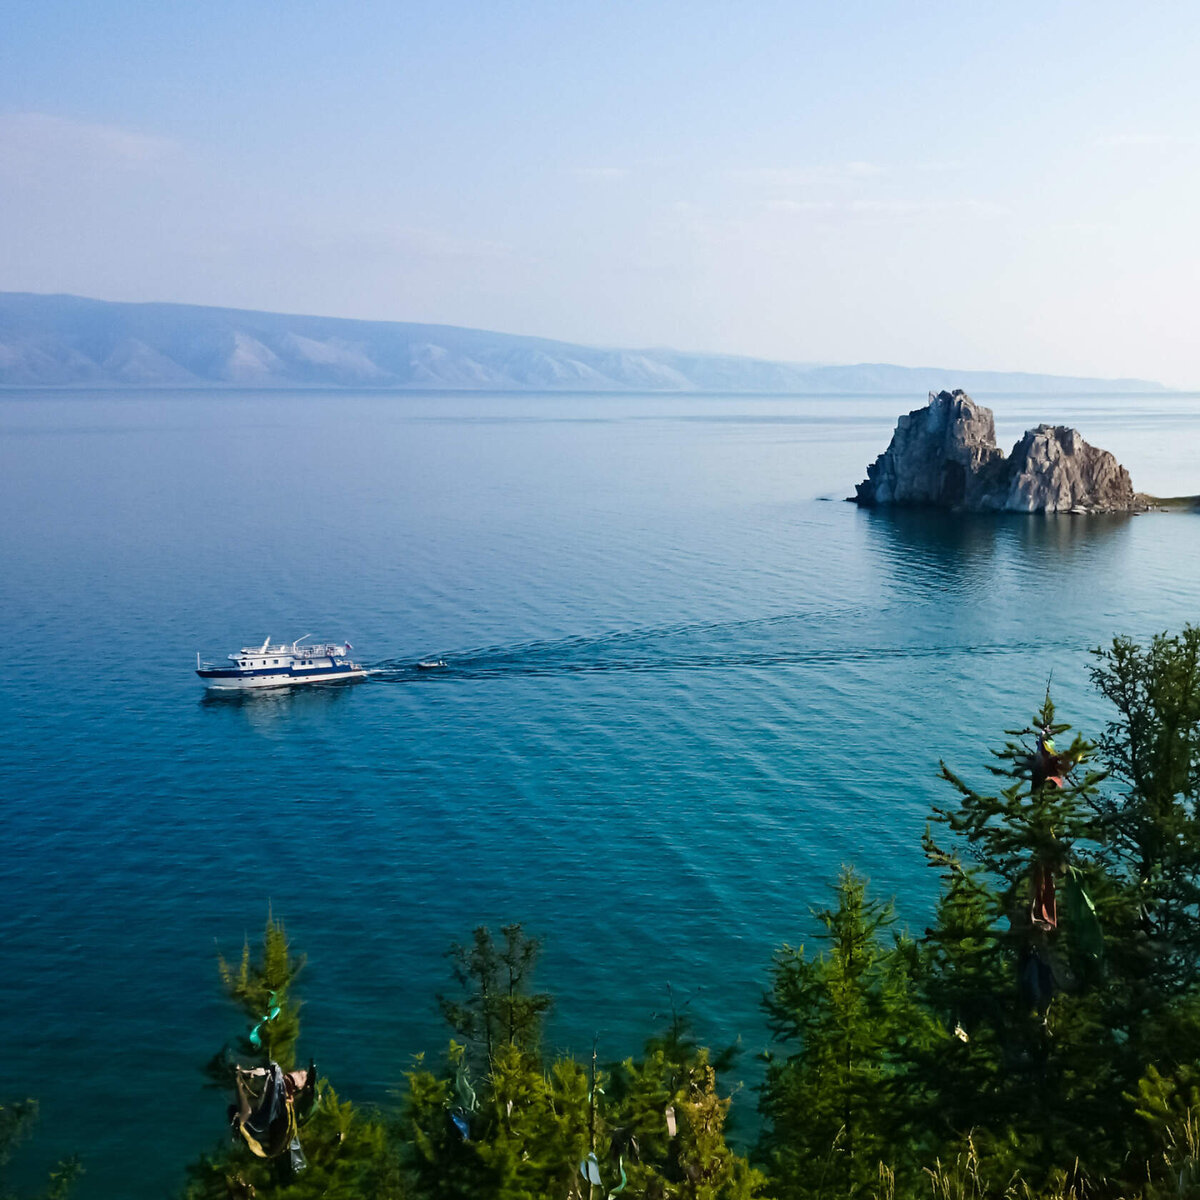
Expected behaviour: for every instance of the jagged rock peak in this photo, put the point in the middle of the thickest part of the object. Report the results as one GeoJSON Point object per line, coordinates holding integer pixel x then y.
{"type": "Point", "coordinates": [1052, 469]}
{"type": "Point", "coordinates": [936, 456]}
{"type": "Point", "coordinates": [945, 456]}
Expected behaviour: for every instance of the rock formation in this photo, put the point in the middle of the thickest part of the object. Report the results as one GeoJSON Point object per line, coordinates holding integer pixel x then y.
{"type": "Point", "coordinates": [945, 456]}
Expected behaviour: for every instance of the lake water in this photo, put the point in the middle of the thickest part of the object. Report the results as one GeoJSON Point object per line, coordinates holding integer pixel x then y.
{"type": "Point", "coordinates": [686, 683]}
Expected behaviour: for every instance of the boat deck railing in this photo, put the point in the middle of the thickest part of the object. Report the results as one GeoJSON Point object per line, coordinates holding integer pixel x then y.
{"type": "Point", "coordinates": [328, 650]}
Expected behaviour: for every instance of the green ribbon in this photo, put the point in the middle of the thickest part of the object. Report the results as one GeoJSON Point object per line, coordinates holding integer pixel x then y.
{"type": "Point", "coordinates": [273, 1010]}
{"type": "Point", "coordinates": [1086, 931]}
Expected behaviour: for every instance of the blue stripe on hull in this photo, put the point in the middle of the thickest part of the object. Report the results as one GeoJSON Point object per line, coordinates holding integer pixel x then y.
{"type": "Point", "coordinates": [290, 673]}
{"type": "Point", "coordinates": [273, 676]}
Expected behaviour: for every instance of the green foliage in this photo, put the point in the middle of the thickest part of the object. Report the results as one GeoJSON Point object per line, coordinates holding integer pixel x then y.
{"type": "Point", "coordinates": [666, 1104]}
{"type": "Point", "coordinates": [1153, 827]}
{"type": "Point", "coordinates": [524, 1128]}
{"type": "Point", "coordinates": [495, 1008]}
{"type": "Point", "coordinates": [1153, 744]}
{"type": "Point", "coordinates": [538, 1129]}
{"type": "Point", "coordinates": [349, 1154]}
{"type": "Point", "coordinates": [16, 1122]}
{"type": "Point", "coordinates": [1171, 1108]}
{"type": "Point", "coordinates": [1026, 822]}
{"type": "Point", "coordinates": [535, 1129]}
{"type": "Point", "coordinates": [967, 1177]}
{"type": "Point", "coordinates": [710, 1169]}
{"type": "Point", "coordinates": [966, 981]}
{"type": "Point", "coordinates": [1152, 855]}
{"type": "Point", "coordinates": [1038, 1071]}
{"type": "Point", "coordinates": [524, 1140]}
{"type": "Point", "coordinates": [258, 986]}
{"type": "Point", "coordinates": [442, 1163]}
{"type": "Point", "coordinates": [852, 1022]}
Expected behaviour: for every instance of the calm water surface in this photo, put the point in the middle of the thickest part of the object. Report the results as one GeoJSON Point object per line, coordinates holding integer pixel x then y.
{"type": "Point", "coordinates": [686, 684]}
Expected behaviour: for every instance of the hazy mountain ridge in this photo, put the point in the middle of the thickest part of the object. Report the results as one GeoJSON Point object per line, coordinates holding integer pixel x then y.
{"type": "Point", "coordinates": [48, 341]}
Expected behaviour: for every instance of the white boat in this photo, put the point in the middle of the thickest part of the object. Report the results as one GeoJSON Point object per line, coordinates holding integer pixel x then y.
{"type": "Point", "coordinates": [282, 665]}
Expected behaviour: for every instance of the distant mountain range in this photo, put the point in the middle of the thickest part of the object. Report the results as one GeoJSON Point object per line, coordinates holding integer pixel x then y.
{"type": "Point", "coordinates": [65, 341]}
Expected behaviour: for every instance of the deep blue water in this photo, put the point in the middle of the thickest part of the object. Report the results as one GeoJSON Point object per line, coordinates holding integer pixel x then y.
{"type": "Point", "coordinates": [686, 684]}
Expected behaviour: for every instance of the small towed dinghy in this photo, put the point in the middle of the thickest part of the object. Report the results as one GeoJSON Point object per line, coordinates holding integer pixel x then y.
{"type": "Point", "coordinates": [431, 664]}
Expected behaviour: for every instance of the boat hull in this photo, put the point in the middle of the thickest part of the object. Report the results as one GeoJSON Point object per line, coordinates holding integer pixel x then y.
{"type": "Point", "coordinates": [274, 679]}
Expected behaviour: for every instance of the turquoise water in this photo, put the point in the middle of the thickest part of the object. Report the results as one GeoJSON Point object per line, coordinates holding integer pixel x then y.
{"type": "Point", "coordinates": [686, 683]}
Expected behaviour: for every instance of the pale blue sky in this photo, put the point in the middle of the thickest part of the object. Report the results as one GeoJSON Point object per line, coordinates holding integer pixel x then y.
{"type": "Point", "coordinates": [977, 185]}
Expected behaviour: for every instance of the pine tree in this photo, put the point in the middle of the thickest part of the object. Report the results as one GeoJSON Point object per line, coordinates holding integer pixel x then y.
{"type": "Point", "coordinates": [349, 1154]}
{"type": "Point", "coordinates": [261, 988]}
{"type": "Point", "coordinates": [966, 983]}
{"type": "Point", "coordinates": [495, 1008]}
{"type": "Point", "coordinates": [710, 1168]}
{"type": "Point", "coordinates": [499, 1121]}
{"type": "Point", "coordinates": [1153, 827]}
{"type": "Point", "coordinates": [1031, 1060]}
{"type": "Point", "coordinates": [466, 1127]}
{"type": "Point", "coordinates": [542, 1127]}
{"type": "Point", "coordinates": [1032, 820]}
{"type": "Point", "coordinates": [666, 1122]}
{"type": "Point", "coordinates": [1171, 1111]}
{"type": "Point", "coordinates": [438, 1133]}
{"type": "Point", "coordinates": [839, 1103]}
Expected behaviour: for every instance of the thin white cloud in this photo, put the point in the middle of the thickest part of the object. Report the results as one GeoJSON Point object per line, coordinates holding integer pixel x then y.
{"type": "Point", "coordinates": [693, 222]}
{"type": "Point", "coordinates": [1087, 228]}
{"type": "Point", "coordinates": [890, 207]}
{"type": "Point", "coordinates": [1145, 139]}
{"type": "Point", "coordinates": [31, 138]}
{"type": "Point", "coordinates": [803, 176]}
{"type": "Point", "coordinates": [937, 165]}
{"type": "Point", "coordinates": [914, 208]}
{"type": "Point", "coordinates": [800, 206]}
{"type": "Point", "coordinates": [433, 243]}
{"type": "Point", "coordinates": [409, 243]}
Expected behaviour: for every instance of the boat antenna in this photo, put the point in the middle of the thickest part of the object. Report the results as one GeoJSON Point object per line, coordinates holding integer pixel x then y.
{"type": "Point", "coordinates": [265, 644]}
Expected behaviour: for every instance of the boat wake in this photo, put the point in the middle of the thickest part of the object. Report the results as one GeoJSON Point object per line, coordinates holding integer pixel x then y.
{"type": "Point", "coordinates": [787, 642]}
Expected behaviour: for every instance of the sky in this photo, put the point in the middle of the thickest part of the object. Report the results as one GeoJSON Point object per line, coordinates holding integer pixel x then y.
{"type": "Point", "coordinates": [968, 185]}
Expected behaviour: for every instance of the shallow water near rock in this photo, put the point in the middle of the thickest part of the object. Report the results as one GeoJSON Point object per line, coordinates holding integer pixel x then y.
{"type": "Point", "coordinates": [685, 683]}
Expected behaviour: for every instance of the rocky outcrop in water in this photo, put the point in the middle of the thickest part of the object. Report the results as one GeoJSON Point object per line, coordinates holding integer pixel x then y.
{"type": "Point", "coordinates": [945, 456]}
